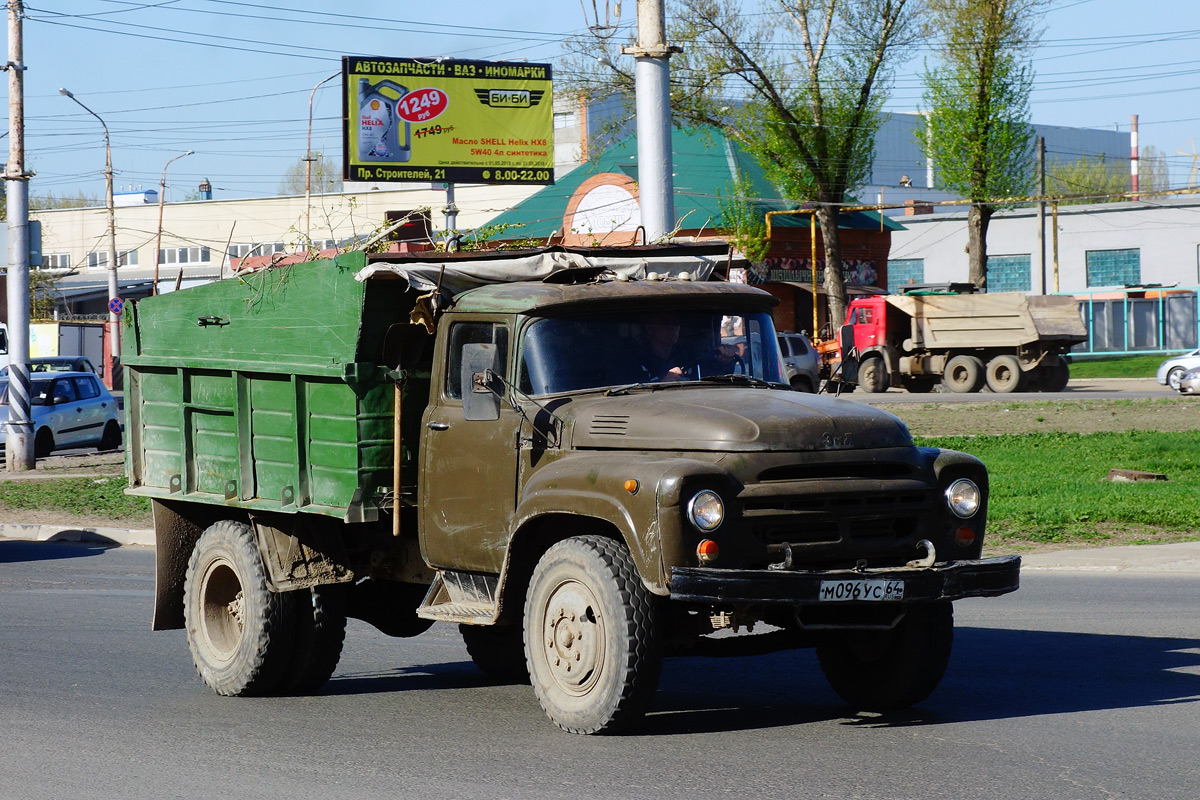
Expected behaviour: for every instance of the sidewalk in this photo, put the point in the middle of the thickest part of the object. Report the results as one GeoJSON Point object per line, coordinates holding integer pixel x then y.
{"type": "Point", "coordinates": [1179, 558]}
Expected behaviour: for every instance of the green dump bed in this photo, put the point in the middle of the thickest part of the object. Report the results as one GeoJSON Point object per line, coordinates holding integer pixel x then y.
{"type": "Point", "coordinates": [265, 391]}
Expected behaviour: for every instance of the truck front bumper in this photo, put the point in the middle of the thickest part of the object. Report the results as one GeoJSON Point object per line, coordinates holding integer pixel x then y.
{"type": "Point", "coordinates": [951, 580]}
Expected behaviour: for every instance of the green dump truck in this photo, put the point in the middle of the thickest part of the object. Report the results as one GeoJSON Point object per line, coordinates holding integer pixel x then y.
{"type": "Point", "coordinates": [551, 449]}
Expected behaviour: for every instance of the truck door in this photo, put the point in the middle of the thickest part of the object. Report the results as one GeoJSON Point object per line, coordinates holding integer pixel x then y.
{"type": "Point", "coordinates": [868, 320]}
{"type": "Point", "coordinates": [469, 470]}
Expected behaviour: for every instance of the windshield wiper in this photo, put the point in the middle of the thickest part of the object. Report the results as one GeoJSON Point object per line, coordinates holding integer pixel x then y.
{"type": "Point", "coordinates": [627, 388]}
{"type": "Point", "coordinates": [748, 380]}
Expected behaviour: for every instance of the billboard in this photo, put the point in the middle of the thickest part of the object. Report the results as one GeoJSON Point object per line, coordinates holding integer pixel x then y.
{"type": "Point", "coordinates": [413, 120]}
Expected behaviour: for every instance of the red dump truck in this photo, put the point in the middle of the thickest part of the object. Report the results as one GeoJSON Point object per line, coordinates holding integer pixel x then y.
{"type": "Point", "coordinates": [1006, 341]}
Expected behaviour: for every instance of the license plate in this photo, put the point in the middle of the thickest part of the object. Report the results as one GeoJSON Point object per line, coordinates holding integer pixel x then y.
{"type": "Point", "coordinates": [861, 590]}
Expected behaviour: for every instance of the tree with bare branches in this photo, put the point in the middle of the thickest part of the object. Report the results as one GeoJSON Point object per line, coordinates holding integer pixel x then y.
{"type": "Point", "coordinates": [798, 84]}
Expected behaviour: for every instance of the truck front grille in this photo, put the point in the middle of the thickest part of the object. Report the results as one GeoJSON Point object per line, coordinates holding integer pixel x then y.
{"type": "Point", "coordinates": [820, 517]}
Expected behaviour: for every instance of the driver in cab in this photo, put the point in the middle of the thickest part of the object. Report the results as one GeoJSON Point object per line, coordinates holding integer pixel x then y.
{"type": "Point", "coordinates": [661, 360]}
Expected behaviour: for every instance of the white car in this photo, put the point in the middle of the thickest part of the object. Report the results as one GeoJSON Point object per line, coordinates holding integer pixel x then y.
{"type": "Point", "coordinates": [69, 409]}
{"type": "Point", "coordinates": [1189, 383]}
{"type": "Point", "coordinates": [1171, 370]}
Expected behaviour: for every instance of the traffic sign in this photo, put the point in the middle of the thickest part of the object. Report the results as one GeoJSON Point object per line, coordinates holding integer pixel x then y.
{"type": "Point", "coordinates": [116, 306]}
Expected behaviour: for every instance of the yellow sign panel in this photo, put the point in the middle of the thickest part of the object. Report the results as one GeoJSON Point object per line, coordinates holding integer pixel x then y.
{"type": "Point", "coordinates": [408, 120]}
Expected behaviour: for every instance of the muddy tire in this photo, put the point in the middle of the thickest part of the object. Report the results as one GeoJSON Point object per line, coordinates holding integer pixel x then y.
{"type": "Point", "coordinates": [111, 439]}
{"type": "Point", "coordinates": [1004, 374]}
{"type": "Point", "coordinates": [872, 375]}
{"type": "Point", "coordinates": [1060, 374]}
{"type": "Point", "coordinates": [963, 374]}
{"type": "Point", "coordinates": [918, 384]}
{"type": "Point", "coordinates": [239, 631]}
{"type": "Point", "coordinates": [592, 638]}
{"type": "Point", "coordinates": [498, 651]}
{"type": "Point", "coordinates": [43, 443]}
{"type": "Point", "coordinates": [320, 632]}
{"type": "Point", "coordinates": [888, 670]}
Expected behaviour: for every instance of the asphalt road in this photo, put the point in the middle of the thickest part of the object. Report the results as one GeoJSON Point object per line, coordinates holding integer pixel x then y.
{"type": "Point", "coordinates": [1078, 686]}
{"type": "Point", "coordinates": [1082, 389]}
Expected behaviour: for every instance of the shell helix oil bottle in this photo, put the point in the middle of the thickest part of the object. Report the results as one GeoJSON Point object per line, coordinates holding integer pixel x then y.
{"type": "Point", "coordinates": [378, 125]}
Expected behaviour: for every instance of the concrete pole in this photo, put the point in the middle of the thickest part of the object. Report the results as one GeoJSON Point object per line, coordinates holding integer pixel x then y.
{"type": "Point", "coordinates": [162, 192]}
{"type": "Point", "coordinates": [652, 85]}
{"type": "Point", "coordinates": [18, 439]}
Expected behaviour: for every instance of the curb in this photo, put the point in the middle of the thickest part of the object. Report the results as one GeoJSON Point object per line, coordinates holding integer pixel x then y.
{"type": "Point", "coordinates": [66, 533]}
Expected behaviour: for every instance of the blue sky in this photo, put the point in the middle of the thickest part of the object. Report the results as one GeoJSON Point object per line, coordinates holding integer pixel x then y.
{"type": "Point", "coordinates": [231, 80]}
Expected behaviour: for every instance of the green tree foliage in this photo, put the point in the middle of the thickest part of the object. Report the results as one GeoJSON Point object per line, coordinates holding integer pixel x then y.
{"type": "Point", "coordinates": [1154, 174]}
{"type": "Point", "coordinates": [43, 293]}
{"type": "Point", "coordinates": [977, 95]}
{"type": "Point", "coordinates": [50, 200]}
{"type": "Point", "coordinates": [798, 84]}
{"type": "Point", "coordinates": [1088, 180]}
{"type": "Point", "coordinates": [326, 177]}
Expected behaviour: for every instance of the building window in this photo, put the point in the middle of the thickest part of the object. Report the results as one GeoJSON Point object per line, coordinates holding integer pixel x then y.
{"type": "Point", "coordinates": [125, 258]}
{"type": "Point", "coordinates": [1114, 267]}
{"type": "Point", "coordinates": [56, 261]}
{"type": "Point", "coordinates": [903, 271]}
{"type": "Point", "coordinates": [184, 255]}
{"type": "Point", "coordinates": [1009, 273]}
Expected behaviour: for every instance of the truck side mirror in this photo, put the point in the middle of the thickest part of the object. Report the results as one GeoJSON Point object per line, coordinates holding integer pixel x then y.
{"type": "Point", "coordinates": [849, 354]}
{"type": "Point", "coordinates": [480, 388]}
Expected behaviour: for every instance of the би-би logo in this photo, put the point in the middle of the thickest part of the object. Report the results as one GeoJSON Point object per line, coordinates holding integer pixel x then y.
{"type": "Point", "coordinates": [510, 98]}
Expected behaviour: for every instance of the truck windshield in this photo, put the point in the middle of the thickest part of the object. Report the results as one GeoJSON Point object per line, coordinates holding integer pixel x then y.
{"type": "Point", "coordinates": [572, 353]}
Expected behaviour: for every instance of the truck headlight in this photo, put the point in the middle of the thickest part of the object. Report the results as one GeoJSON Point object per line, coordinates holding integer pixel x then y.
{"type": "Point", "coordinates": [963, 498]}
{"type": "Point", "coordinates": [706, 511]}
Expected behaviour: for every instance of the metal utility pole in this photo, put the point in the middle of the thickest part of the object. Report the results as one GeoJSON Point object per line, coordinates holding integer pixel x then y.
{"type": "Point", "coordinates": [308, 162]}
{"type": "Point", "coordinates": [1041, 206]}
{"type": "Point", "coordinates": [113, 292]}
{"type": "Point", "coordinates": [652, 78]}
{"type": "Point", "coordinates": [162, 191]}
{"type": "Point", "coordinates": [19, 436]}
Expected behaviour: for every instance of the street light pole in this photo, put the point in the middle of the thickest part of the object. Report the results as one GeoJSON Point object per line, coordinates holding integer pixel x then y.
{"type": "Point", "coordinates": [162, 189]}
{"type": "Point", "coordinates": [113, 292]}
{"type": "Point", "coordinates": [308, 159]}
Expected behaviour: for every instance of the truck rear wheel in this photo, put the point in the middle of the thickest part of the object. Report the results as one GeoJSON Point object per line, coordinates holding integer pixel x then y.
{"type": "Point", "coordinates": [1004, 374]}
{"type": "Point", "coordinates": [881, 671]}
{"type": "Point", "coordinates": [1056, 377]}
{"type": "Point", "coordinates": [498, 651]}
{"type": "Point", "coordinates": [872, 375]}
{"type": "Point", "coordinates": [239, 631]}
{"type": "Point", "coordinates": [963, 374]}
{"type": "Point", "coordinates": [592, 636]}
{"type": "Point", "coordinates": [320, 614]}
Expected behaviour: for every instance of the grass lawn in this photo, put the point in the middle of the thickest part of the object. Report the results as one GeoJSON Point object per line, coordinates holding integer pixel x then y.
{"type": "Point", "coordinates": [1051, 487]}
{"type": "Point", "coordinates": [1141, 366]}
{"type": "Point", "coordinates": [95, 496]}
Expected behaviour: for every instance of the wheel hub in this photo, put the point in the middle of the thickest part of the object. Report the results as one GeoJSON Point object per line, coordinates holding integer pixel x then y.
{"type": "Point", "coordinates": [573, 638]}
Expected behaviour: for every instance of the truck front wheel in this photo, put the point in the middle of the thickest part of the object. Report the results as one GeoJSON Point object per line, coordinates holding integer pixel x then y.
{"type": "Point", "coordinates": [239, 631]}
{"type": "Point", "coordinates": [592, 637]}
{"type": "Point", "coordinates": [872, 375]}
{"type": "Point", "coordinates": [881, 671]}
{"type": "Point", "coordinates": [963, 374]}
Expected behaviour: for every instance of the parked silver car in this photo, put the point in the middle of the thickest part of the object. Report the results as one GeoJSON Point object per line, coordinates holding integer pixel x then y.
{"type": "Point", "coordinates": [800, 361]}
{"type": "Point", "coordinates": [68, 410]}
{"type": "Point", "coordinates": [1189, 382]}
{"type": "Point", "coordinates": [1171, 370]}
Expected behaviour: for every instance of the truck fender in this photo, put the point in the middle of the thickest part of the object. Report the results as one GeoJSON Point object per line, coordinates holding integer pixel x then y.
{"type": "Point", "coordinates": [177, 527]}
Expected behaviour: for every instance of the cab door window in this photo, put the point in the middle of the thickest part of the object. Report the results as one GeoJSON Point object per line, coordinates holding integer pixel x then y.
{"type": "Point", "coordinates": [464, 333]}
